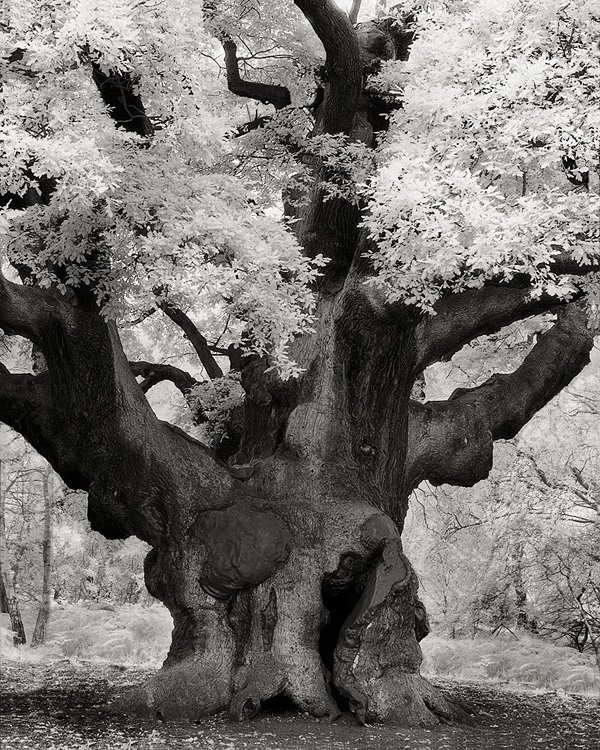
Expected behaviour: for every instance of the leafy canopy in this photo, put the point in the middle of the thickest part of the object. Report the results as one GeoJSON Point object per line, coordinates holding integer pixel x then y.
{"type": "Point", "coordinates": [138, 218]}
{"type": "Point", "coordinates": [501, 104]}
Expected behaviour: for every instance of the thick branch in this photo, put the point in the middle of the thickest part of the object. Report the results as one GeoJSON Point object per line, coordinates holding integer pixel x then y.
{"type": "Point", "coordinates": [196, 339]}
{"type": "Point", "coordinates": [460, 318]}
{"type": "Point", "coordinates": [278, 96]}
{"type": "Point", "coordinates": [446, 445]}
{"type": "Point", "coordinates": [451, 441]}
{"type": "Point", "coordinates": [562, 264]}
{"type": "Point", "coordinates": [153, 374]}
{"type": "Point", "coordinates": [25, 405]}
{"type": "Point", "coordinates": [24, 310]}
{"type": "Point", "coordinates": [90, 419]}
{"type": "Point", "coordinates": [343, 63]}
{"type": "Point", "coordinates": [560, 354]}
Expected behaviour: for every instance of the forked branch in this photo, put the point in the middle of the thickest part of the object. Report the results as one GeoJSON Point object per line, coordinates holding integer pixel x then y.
{"type": "Point", "coordinates": [354, 11]}
{"type": "Point", "coordinates": [509, 401]}
{"type": "Point", "coordinates": [460, 318]}
{"type": "Point", "coordinates": [153, 374]}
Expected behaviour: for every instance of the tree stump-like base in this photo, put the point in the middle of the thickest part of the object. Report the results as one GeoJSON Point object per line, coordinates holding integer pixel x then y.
{"type": "Point", "coordinates": [323, 640]}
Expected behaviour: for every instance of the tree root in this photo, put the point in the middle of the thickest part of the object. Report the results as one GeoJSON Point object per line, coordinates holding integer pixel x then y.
{"type": "Point", "coordinates": [256, 682]}
{"type": "Point", "coordinates": [187, 691]}
{"type": "Point", "coordinates": [264, 642]}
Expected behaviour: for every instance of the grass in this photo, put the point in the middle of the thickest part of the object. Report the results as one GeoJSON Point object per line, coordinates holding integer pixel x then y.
{"type": "Point", "coordinates": [525, 661]}
{"type": "Point", "coordinates": [128, 635]}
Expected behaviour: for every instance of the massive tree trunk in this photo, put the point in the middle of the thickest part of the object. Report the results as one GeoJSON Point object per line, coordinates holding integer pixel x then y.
{"type": "Point", "coordinates": [309, 593]}
{"type": "Point", "coordinates": [292, 581]}
{"type": "Point", "coordinates": [280, 560]}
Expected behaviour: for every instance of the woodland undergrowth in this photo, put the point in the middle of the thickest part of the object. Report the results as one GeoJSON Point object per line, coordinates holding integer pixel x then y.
{"type": "Point", "coordinates": [133, 635]}
{"type": "Point", "coordinates": [519, 660]}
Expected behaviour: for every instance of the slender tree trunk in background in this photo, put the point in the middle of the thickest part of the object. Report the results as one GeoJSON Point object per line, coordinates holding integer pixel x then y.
{"type": "Point", "coordinates": [596, 646]}
{"type": "Point", "coordinates": [7, 589]}
{"type": "Point", "coordinates": [3, 598]}
{"type": "Point", "coordinates": [41, 624]}
{"type": "Point", "coordinates": [516, 573]}
{"type": "Point", "coordinates": [591, 622]}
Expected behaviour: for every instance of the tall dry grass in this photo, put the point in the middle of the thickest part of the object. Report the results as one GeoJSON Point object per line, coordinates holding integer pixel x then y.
{"type": "Point", "coordinates": [129, 634]}
{"type": "Point", "coordinates": [525, 661]}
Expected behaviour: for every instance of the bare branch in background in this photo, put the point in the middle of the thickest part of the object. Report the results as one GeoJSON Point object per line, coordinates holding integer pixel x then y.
{"type": "Point", "coordinates": [267, 93]}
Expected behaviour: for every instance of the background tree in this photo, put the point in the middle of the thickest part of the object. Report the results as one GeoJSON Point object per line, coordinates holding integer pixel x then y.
{"type": "Point", "coordinates": [277, 549]}
{"type": "Point", "coordinates": [8, 598]}
{"type": "Point", "coordinates": [528, 533]}
{"type": "Point", "coordinates": [41, 623]}
{"type": "Point", "coordinates": [84, 566]}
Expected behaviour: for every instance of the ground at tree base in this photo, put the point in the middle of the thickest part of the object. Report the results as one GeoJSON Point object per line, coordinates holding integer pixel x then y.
{"type": "Point", "coordinates": [63, 706]}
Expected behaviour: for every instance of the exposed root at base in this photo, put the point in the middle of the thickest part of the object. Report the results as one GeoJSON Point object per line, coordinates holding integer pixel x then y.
{"type": "Point", "coordinates": [407, 700]}
{"type": "Point", "coordinates": [256, 683]}
{"type": "Point", "coordinates": [187, 691]}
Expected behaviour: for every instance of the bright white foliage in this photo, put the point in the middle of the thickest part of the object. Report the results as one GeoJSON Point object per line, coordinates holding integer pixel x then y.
{"type": "Point", "coordinates": [471, 184]}
{"type": "Point", "coordinates": [468, 183]}
{"type": "Point", "coordinates": [165, 215]}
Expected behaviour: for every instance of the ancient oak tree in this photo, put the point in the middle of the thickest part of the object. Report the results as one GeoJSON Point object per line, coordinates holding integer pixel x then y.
{"type": "Point", "coordinates": [402, 186]}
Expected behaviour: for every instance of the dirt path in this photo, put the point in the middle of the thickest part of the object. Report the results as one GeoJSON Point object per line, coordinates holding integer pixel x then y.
{"type": "Point", "coordinates": [62, 706]}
